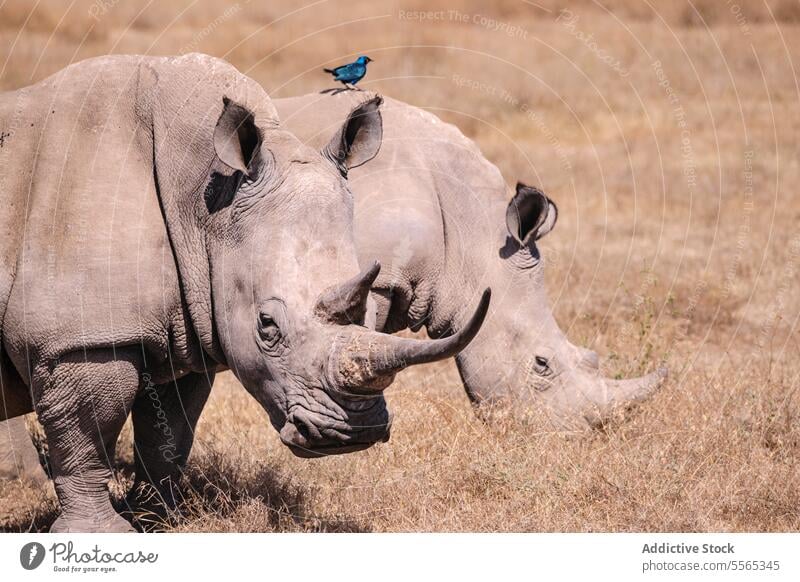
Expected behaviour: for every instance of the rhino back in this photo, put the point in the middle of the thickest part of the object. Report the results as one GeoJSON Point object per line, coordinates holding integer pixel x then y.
{"type": "Point", "coordinates": [88, 262]}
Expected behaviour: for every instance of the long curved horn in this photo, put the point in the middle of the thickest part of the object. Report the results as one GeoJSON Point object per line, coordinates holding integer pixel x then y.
{"type": "Point", "coordinates": [367, 361]}
{"type": "Point", "coordinates": [347, 303]}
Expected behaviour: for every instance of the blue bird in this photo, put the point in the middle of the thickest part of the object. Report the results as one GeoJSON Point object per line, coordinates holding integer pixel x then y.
{"type": "Point", "coordinates": [351, 73]}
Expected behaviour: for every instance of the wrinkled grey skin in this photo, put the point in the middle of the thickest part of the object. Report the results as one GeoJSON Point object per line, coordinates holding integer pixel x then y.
{"type": "Point", "coordinates": [159, 224]}
{"type": "Point", "coordinates": [436, 214]}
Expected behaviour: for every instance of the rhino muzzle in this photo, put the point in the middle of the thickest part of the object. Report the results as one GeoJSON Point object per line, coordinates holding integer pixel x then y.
{"type": "Point", "coordinates": [331, 424]}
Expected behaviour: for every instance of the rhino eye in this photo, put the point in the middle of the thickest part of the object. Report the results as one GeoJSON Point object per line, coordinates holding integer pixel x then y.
{"type": "Point", "coordinates": [542, 365]}
{"type": "Point", "coordinates": [268, 329]}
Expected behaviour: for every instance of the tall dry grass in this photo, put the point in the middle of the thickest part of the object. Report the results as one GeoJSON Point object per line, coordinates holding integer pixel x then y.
{"type": "Point", "coordinates": [675, 173]}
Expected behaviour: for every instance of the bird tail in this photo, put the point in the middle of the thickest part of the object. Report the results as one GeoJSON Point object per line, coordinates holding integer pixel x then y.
{"type": "Point", "coordinates": [331, 71]}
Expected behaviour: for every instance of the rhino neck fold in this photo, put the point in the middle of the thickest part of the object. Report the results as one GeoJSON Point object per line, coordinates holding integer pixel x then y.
{"type": "Point", "coordinates": [194, 278]}
{"type": "Point", "coordinates": [470, 252]}
{"type": "Point", "coordinates": [184, 230]}
{"type": "Point", "coordinates": [185, 97]}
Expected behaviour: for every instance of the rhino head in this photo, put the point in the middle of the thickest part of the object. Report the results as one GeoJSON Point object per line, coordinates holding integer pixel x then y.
{"type": "Point", "coordinates": [261, 227]}
{"type": "Point", "coordinates": [521, 356]}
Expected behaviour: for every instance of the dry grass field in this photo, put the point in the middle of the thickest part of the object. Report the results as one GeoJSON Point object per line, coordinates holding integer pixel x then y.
{"type": "Point", "coordinates": [669, 135]}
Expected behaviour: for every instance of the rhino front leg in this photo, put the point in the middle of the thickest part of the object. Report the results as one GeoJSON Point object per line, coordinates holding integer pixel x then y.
{"type": "Point", "coordinates": [82, 403]}
{"type": "Point", "coordinates": [164, 420]}
{"type": "Point", "coordinates": [19, 459]}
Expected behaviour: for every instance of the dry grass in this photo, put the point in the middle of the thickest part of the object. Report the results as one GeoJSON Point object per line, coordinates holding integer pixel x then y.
{"type": "Point", "coordinates": [644, 265]}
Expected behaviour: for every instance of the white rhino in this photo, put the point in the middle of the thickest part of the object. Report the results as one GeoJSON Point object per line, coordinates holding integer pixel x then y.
{"type": "Point", "coordinates": [159, 223]}
{"type": "Point", "coordinates": [434, 211]}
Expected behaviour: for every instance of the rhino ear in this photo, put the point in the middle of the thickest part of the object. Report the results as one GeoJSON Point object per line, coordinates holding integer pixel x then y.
{"type": "Point", "coordinates": [359, 138]}
{"type": "Point", "coordinates": [236, 137]}
{"type": "Point", "coordinates": [530, 214]}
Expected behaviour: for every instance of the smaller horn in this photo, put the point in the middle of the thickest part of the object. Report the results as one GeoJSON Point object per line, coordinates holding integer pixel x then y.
{"type": "Point", "coordinates": [346, 304]}
{"type": "Point", "coordinates": [635, 389]}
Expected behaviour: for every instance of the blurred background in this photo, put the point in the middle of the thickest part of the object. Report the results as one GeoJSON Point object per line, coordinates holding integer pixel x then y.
{"type": "Point", "coordinates": [668, 135]}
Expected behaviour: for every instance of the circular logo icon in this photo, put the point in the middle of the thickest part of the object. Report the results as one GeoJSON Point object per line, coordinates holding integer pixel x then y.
{"type": "Point", "coordinates": [31, 555]}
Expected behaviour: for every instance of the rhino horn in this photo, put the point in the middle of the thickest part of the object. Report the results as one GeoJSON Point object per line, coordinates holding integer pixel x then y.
{"type": "Point", "coordinates": [618, 394]}
{"type": "Point", "coordinates": [635, 390]}
{"type": "Point", "coordinates": [366, 361]}
{"type": "Point", "coordinates": [346, 303]}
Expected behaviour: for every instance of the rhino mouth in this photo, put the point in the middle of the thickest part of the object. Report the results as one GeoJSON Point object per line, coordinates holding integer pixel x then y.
{"type": "Point", "coordinates": [349, 428]}
{"type": "Point", "coordinates": [317, 451]}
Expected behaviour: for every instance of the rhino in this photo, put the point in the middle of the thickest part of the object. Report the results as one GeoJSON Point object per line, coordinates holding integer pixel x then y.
{"type": "Point", "coordinates": [440, 218]}
{"type": "Point", "coordinates": [160, 224]}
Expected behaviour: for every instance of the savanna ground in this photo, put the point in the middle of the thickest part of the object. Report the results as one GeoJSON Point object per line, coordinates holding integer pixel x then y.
{"type": "Point", "coordinates": [668, 134]}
